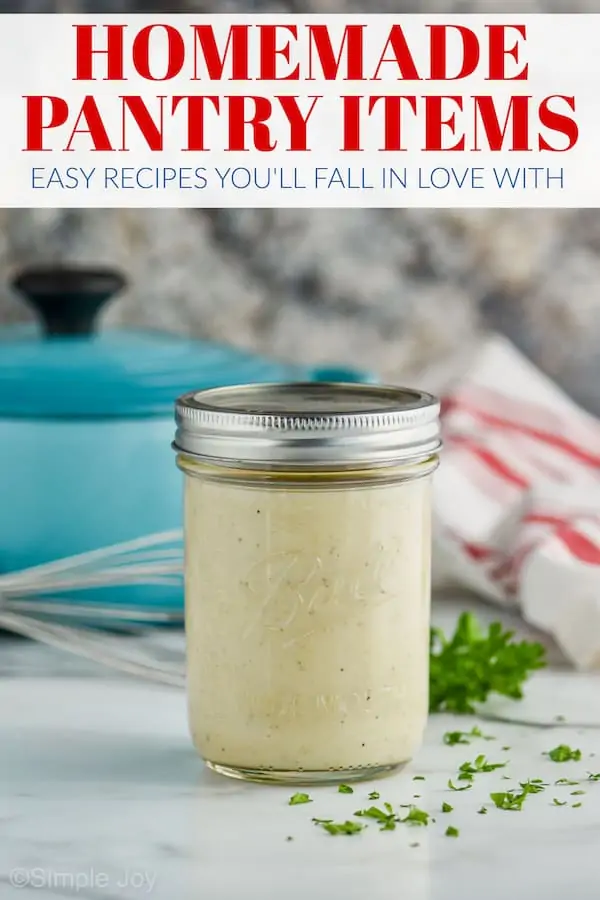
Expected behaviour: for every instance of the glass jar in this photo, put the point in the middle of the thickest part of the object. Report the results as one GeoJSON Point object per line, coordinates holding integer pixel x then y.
{"type": "Point", "coordinates": [307, 577]}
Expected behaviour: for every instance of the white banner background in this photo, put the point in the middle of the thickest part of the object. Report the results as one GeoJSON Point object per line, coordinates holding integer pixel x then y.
{"type": "Point", "coordinates": [37, 57]}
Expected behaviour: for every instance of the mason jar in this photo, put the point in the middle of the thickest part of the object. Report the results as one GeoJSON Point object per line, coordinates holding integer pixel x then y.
{"type": "Point", "coordinates": [307, 577]}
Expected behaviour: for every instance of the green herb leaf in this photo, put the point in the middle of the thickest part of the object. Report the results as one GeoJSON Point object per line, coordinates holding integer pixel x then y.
{"type": "Point", "coordinates": [577, 793]}
{"type": "Point", "coordinates": [297, 799]}
{"type": "Point", "coordinates": [564, 753]}
{"type": "Point", "coordinates": [533, 786]}
{"type": "Point", "coordinates": [512, 800]}
{"type": "Point", "coordinates": [416, 817]}
{"type": "Point", "coordinates": [472, 664]}
{"type": "Point", "coordinates": [446, 807]}
{"type": "Point", "coordinates": [468, 769]}
{"type": "Point", "coordinates": [576, 805]}
{"type": "Point", "coordinates": [482, 810]}
{"type": "Point", "coordinates": [451, 831]}
{"type": "Point", "coordinates": [462, 737]}
{"type": "Point", "coordinates": [453, 787]}
{"type": "Point", "coordinates": [418, 778]}
{"type": "Point", "coordinates": [345, 789]}
{"type": "Point", "coordinates": [559, 802]}
{"type": "Point", "coordinates": [595, 777]}
{"type": "Point", "coordinates": [566, 781]}
{"type": "Point", "coordinates": [374, 795]}
{"type": "Point", "coordinates": [346, 827]}
{"type": "Point", "coordinates": [451, 738]}
{"type": "Point", "coordinates": [387, 819]}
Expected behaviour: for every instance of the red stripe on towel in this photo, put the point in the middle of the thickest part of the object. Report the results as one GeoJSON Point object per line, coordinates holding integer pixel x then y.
{"type": "Point", "coordinates": [493, 462]}
{"type": "Point", "coordinates": [545, 437]}
{"type": "Point", "coordinates": [578, 544]}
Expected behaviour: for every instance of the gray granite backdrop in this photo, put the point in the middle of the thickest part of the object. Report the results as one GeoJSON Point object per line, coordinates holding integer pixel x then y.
{"type": "Point", "coordinates": [394, 290]}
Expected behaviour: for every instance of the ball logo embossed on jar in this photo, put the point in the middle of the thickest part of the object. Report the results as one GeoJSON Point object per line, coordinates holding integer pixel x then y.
{"type": "Point", "coordinates": [296, 592]}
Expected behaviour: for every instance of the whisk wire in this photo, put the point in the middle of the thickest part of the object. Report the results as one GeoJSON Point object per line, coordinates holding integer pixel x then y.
{"type": "Point", "coordinates": [32, 603]}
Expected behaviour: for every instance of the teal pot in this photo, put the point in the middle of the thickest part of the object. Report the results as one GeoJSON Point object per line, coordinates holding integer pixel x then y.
{"type": "Point", "coordinates": [86, 424]}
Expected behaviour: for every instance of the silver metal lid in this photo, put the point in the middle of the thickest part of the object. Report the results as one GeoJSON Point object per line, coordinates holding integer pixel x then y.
{"type": "Point", "coordinates": [309, 424]}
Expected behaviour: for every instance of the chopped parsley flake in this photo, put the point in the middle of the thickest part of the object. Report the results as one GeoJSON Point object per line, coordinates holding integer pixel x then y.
{"type": "Point", "coordinates": [482, 810]}
{"type": "Point", "coordinates": [385, 817]}
{"type": "Point", "coordinates": [512, 800]}
{"type": "Point", "coordinates": [416, 817]}
{"type": "Point", "coordinates": [468, 770]}
{"type": "Point", "coordinates": [592, 777]}
{"type": "Point", "coordinates": [451, 738]}
{"type": "Point", "coordinates": [466, 668]}
{"type": "Point", "coordinates": [446, 808]}
{"type": "Point", "coordinates": [559, 802]}
{"type": "Point", "coordinates": [345, 789]}
{"type": "Point", "coordinates": [577, 793]}
{"type": "Point", "coordinates": [419, 778]}
{"type": "Point", "coordinates": [297, 799]}
{"type": "Point", "coordinates": [566, 781]}
{"type": "Point", "coordinates": [451, 831]}
{"type": "Point", "coordinates": [462, 737]}
{"type": "Point", "coordinates": [533, 786]}
{"type": "Point", "coordinates": [374, 795]}
{"type": "Point", "coordinates": [564, 753]}
{"type": "Point", "coordinates": [576, 805]}
{"type": "Point", "coordinates": [453, 787]}
{"type": "Point", "coordinates": [336, 828]}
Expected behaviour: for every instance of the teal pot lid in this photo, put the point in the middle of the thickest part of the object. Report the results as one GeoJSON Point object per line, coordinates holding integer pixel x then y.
{"type": "Point", "coordinates": [66, 368]}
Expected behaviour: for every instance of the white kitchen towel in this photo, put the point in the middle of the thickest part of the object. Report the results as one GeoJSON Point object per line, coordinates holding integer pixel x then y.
{"type": "Point", "coordinates": [517, 497]}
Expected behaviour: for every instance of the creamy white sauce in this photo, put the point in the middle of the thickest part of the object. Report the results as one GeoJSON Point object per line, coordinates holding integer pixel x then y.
{"type": "Point", "coordinates": [307, 619]}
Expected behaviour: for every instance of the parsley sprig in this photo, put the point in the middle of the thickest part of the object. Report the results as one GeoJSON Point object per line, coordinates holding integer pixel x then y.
{"type": "Point", "coordinates": [472, 664]}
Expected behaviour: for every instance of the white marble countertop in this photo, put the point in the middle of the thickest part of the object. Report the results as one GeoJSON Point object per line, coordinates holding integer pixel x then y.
{"type": "Point", "coordinates": [102, 796]}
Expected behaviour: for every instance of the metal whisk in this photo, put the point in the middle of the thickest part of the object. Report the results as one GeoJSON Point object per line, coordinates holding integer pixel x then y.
{"type": "Point", "coordinates": [35, 603]}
